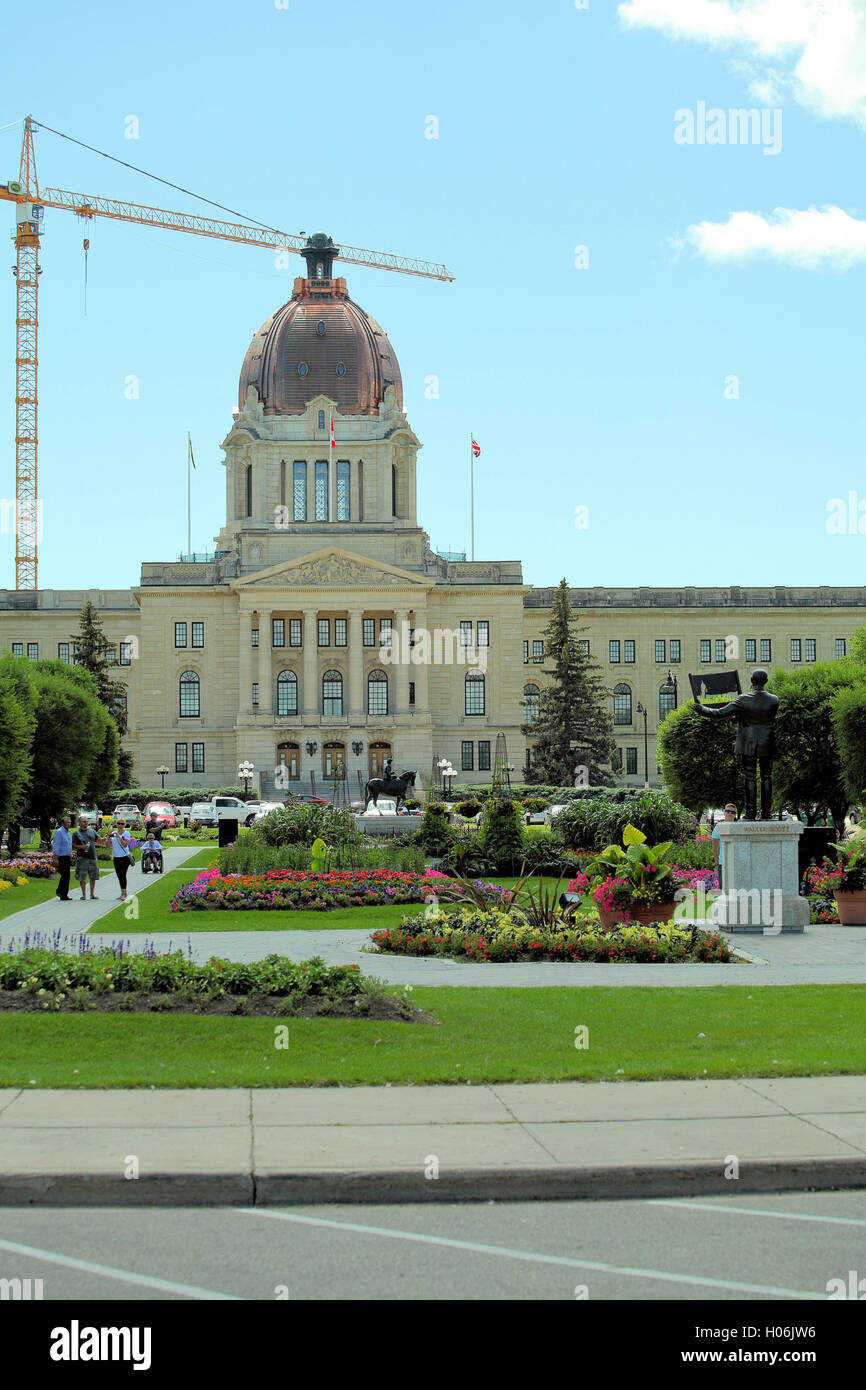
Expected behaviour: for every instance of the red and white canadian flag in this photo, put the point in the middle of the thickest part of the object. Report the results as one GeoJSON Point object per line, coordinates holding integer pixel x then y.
{"type": "Point", "coordinates": [333, 440]}
{"type": "Point", "coordinates": [476, 448]}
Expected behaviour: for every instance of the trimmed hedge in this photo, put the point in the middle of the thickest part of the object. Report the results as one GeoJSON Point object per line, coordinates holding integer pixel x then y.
{"type": "Point", "coordinates": [178, 796]}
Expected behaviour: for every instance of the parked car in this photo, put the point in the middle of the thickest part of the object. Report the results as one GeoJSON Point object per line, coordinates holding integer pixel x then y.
{"type": "Point", "coordinates": [549, 816]}
{"type": "Point", "coordinates": [162, 812]}
{"type": "Point", "coordinates": [232, 808]}
{"type": "Point", "coordinates": [308, 799]}
{"type": "Point", "coordinates": [201, 813]}
{"type": "Point", "coordinates": [534, 818]}
{"type": "Point", "coordinates": [92, 815]}
{"type": "Point", "coordinates": [264, 808]}
{"type": "Point", "coordinates": [129, 812]}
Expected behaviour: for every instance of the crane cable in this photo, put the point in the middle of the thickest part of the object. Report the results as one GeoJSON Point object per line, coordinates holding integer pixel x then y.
{"type": "Point", "coordinates": [253, 221]}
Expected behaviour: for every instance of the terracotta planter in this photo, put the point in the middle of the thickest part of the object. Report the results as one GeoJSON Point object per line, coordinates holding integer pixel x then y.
{"type": "Point", "coordinates": [652, 912]}
{"type": "Point", "coordinates": [851, 907]}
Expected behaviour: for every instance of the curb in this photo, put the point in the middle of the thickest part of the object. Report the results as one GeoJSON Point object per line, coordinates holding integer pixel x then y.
{"type": "Point", "coordinates": [607, 1183]}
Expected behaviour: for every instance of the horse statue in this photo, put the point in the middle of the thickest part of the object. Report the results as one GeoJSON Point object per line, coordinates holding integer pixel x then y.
{"type": "Point", "coordinates": [388, 786]}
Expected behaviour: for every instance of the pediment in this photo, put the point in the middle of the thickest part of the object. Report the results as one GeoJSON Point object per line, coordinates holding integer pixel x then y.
{"type": "Point", "coordinates": [333, 568]}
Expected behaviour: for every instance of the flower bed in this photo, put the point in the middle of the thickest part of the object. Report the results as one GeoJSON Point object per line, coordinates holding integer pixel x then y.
{"type": "Point", "coordinates": [31, 865]}
{"type": "Point", "coordinates": [504, 934]}
{"type": "Point", "coordinates": [296, 890]}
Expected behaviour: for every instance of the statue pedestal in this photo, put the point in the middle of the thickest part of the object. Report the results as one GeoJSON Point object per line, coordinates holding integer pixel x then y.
{"type": "Point", "coordinates": [760, 878]}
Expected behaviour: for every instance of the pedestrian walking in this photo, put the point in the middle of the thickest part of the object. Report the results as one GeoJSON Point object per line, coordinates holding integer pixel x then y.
{"type": "Point", "coordinates": [86, 862]}
{"type": "Point", "coordinates": [61, 846]}
{"type": "Point", "coordinates": [121, 855]}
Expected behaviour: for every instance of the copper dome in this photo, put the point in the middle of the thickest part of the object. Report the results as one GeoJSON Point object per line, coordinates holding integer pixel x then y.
{"type": "Point", "coordinates": [320, 343]}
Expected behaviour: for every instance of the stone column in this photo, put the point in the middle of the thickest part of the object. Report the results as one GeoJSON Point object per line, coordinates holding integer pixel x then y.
{"type": "Point", "coordinates": [264, 675]}
{"type": "Point", "coordinates": [311, 667]}
{"type": "Point", "coordinates": [245, 663]}
{"type": "Point", "coordinates": [356, 665]}
{"type": "Point", "coordinates": [401, 668]}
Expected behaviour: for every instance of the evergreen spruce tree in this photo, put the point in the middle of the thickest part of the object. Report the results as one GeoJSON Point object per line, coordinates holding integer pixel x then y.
{"type": "Point", "coordinates": [92, 649]}
{"type": "Point", "coordinates": [574, 726]}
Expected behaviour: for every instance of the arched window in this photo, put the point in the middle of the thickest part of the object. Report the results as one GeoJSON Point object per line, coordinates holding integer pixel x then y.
{"type": "Point", "coordinates": [287, 693]}
{"type": "Point", "coordinates": [667, 696]}
{"type": "Point", "coordinates": [249, 486]}
{"type": "Point", "coordinates": [299, 491]}
{"type": "Point", "coordinates": [342, 489]}
{"type": "Point", "coordinates": [321, 490]}
{"type": "Point", "coordinates": [393, 490]}
{"type": "Point", "coordinates": [622, 703]}
{"type": "Point", "coordinates": [473, 688]}
{"type": "Point", "coordinates": [530, 702]}
{"type": "Point", "coordinates": [321, 419]}
{"type": "Point", "coordinates": [190, 695]}
{"type": "Point", "coordinates": [332, 693]}
{"type": "Point", "coordinates": [377, 693]}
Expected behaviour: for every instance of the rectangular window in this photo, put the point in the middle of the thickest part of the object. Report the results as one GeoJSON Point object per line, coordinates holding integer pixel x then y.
{"type": "Point", "coordinates": [278, 632]}
{"type": "Point", "coordinates": [660, 649]}
{"type": "Point", "coordinates": [766, 649]}
{"type": "Point", "coordinates": [466, 633]}
{"type": "Point", "coordinates": [411, 692]}
{"type": "Point", "coordinates": [811, 649]}
{"type": "Point", "coordinates": [254, 637]}
{"type": "Point", "coordinates": [33, 651]}
{"type": "Point", "coordinates": [17, 648]}
{"type": "Point", "coordinates": [537, 651]}
{"type": "Point", "coordinates": [384, 632]}
{"type": "Point", "coordinates": [125, 653]}
{"type": "Point", "coordinates": [483, 634]}
{"type": "Point", "coordinates": [467, 761]}
{"type": "Point", "coordinates": [484, 755]}
{"type": "Point", "coordinates": [110, 653]}
{"type": "Point", "coordinates": [706, 649]}
{"type": "Point", "coordinates": [324, 632]}
{"type": "Point", "coordinates": [63, 652]}
{"type": "Point", "coordinates": [720, 649]}
{"type": "Point", "coordinates": [796, 649]}
{"type": "Point", "coordinates": [342, 489]}
{"type": "Point", "coordinates": [751, 649]}
{"type": "Point", "coordinates": [526, 653]}
{"type": "Point", "coordinates": [340, 632]}
{"type": "Point", "coordinates": [322, 490]}
{"type": "Point", "coordinates": [628, 651]}
{"type": "Point", "coordinates": [841, 647]}
{"type": "Point", "coordinates": [180, 634]}
{"type": "Point", "coordinates": [198, 757]}
{"type": "Point", "coordinates": [474, 693]}
{"type": "Point", "coordinates": [295, 629]}
{"type": "Point", "coordinates": [198, 634]}
{"type": "Point", "coordinates": [583, 646]}
{"type": "Point", "coordinates": [299, 491]}
{"type": "Point", "coordinates": [676, 650]}
{"type": "Point", "coordinates": [613, 653]}
{"type": "Point", "coordinates": [180, 750]}
{"type": "Point", "coordinates": [369, 632]}
{"type": "Point", "coordinates": [255, 693]}
{"type": "Point", "coordinates": [631, 761]}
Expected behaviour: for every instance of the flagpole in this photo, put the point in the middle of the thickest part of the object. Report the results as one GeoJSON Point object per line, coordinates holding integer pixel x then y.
{"type": "Point", "coordinates": [188, 499]}
{"type": "Point", "coordinates": [472, 494]}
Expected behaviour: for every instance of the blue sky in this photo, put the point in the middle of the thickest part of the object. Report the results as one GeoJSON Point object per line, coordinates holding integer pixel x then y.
{"type": "Point", "coordinates": [606, 387]}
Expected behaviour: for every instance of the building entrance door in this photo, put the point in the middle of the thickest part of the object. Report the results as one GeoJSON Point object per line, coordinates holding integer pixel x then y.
{"type": "Point", "coordinates": [379, 754]}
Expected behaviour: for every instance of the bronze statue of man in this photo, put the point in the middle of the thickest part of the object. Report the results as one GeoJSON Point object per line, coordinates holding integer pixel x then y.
{"type": "Point", "coordinates": [756, 739]}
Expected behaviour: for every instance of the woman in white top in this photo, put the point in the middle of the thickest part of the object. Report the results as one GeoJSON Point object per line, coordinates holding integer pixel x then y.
{"type": "Point", "coordinates": [121, 854]}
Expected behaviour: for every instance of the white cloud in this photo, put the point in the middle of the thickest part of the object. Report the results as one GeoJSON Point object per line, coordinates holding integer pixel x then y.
{"type": "Point", "coordinates": [814, 48]}
{"type": "Point", "coordinates": [817, 237]}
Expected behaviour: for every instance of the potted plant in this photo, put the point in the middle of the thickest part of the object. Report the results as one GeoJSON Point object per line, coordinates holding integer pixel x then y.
{"type": "Point", "coordinates": [631, 882]}
{"type": "Point", "coordinates": [845, 880]}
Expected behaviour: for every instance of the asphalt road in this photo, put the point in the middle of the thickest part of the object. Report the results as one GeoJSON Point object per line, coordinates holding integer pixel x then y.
{"type": "Point", "coordinates": [754, 1248]}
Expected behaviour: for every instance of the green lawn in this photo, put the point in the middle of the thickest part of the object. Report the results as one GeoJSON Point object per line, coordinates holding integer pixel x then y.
{"type": "Point", "coordinates": [483, 1035]}
{"type": "Point", "coordinates": [36, 891]}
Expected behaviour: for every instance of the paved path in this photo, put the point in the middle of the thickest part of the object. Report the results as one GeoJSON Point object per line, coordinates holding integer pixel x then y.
{"type": "Point", "coordinates": [819, 955]}
{"type": "Point", "coordinates": [432, 1143]}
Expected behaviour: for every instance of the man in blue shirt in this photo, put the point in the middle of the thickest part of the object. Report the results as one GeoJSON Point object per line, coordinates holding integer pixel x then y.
{"type": "Point", "coordinates": [62, 848]}
{"type": "Point", "coordinates": [718, 844]}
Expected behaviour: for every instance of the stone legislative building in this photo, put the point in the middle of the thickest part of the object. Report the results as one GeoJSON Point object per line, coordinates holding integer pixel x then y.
{"type": "Point", "coordinates": [315, 639]}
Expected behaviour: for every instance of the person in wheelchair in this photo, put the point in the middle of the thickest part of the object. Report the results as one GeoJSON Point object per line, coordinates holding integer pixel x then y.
{"type": "Point", "coordinates": [151, 855]}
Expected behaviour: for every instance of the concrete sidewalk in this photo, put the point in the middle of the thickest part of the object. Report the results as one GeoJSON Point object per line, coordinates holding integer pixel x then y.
{"type": "Point", "coordinates": [433, 1143]}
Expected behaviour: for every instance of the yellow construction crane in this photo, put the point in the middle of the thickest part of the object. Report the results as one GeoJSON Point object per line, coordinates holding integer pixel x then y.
{"type": "Point", "coordinates": [29, 217]}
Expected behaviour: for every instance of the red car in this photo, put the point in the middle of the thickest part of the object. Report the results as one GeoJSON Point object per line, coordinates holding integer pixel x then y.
{"type": "Point", "coordinates": [162, 812]}
{"type": "Point", "coordinates": [308, 799]}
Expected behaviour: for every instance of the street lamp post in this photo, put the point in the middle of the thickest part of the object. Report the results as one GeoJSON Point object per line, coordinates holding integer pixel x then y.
{"type": "Point", "coordinates": [448, 774]}
{"type": "Point", "coordinates": [641, 710]}
{"type": "Point", "coordinates": [162, 771]}
{"type": "Point", "coordinates": [245, 772]}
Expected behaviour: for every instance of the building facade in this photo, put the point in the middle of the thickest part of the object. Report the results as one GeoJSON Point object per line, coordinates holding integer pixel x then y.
{"type": "Point", "coordinates": [324, 636]}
